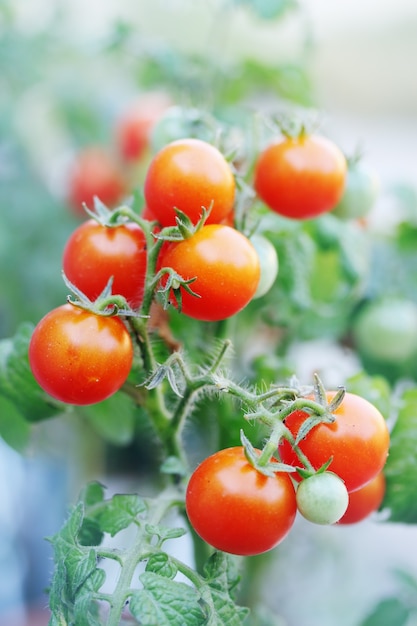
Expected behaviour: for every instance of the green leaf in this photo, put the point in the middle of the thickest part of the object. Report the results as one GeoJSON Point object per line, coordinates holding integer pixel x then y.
{"type": "Point", "coordinates": [389, 612]}
{"type": "Point", "coordinates": [222, 575]}
{"type": "Point", "coordinates": [173, 465]}
{"type": "Point", "coordinates": [92, 493]}
{"type": "Point", "coordinates": [86, 611]}
{"type": "Point", "coordinates": [113, 419]}
{"type": "Point", "coordinates": [164, 602]}
{"type": "Point", "coordinates": [165, 532]}
{"type": "Point", "coordinates": [401, 467]}
{"type": "Point", "coordinates": [222, 570]}
{"type": "Point", "coordinates": [76, 578]}
{"type": "Point", "coordinates": [161, 564]}
{"type": "Point", "coordinates": [14, 429]}
{"type": "Point", "coordinates": [120, 512]}
{"type": "Point", "coordinates": [17, 383]}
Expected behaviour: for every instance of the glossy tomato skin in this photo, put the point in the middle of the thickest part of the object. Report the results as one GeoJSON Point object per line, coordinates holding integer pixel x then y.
{"type": "Point", "coordinates": [94, 253]}
{"type": "Point", "coordinates": [364, 501]}
{"type": "Point", "coordinates": [358, 440]}
{"type": "Point", "coordinates": [235, 508]}
{"type": "Point", "coordinates": [189, 174]}
{"type": "Point", "coordinates": [322, 498]}
{"type": "Point", "coordinates": [226, 266]}
{"type": "Point", "coordinates": [300, 177]}
{"type": "Point", "coordinates": [95, 173]}
{"type": "Point", "coordinates": [78, 357]}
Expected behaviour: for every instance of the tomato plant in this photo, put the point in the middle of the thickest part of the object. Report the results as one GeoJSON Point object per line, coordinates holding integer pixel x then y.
{"type": "Point", "coordinates": [365, 501]}
{"type": "Point", "coordinates": [189, 174]}
{"type": "Point", "coordinates": [300, 177]}
{"type": "Point", "coordinates": [151, 390]}
{"type": "Point", "coordinates": [79, 357]}
{"type": "Point", "coordinates": [225, 265]}
{"type": "Point", "coordinates": [322, 498]}
{"type": "Point", "coordinates": [95, 173]}
{"type": "Point", "coordinates": [95, 252]}
{"type": "Point", "coordinates": [235, 508]}
{"type": "Point", "coordinates": [356, 442]}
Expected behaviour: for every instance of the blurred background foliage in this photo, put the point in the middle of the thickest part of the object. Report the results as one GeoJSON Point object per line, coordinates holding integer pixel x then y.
{"type": "Point", "coordinates": [68, 70]}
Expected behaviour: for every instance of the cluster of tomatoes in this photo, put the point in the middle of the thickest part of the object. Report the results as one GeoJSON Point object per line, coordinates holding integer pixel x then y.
{"type": "Point", "coordinates": [237, 509]}
{"type": "Point", "coordinates": [82, 353]}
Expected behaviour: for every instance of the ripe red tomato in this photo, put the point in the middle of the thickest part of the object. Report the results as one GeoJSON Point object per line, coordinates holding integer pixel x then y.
{"type": "Point", "coordinates": [365, 500]}
{"type": "Point", "coordinates": [358, 440]}
{"type": "Point", "coordinates": [78, 357]}
{"type": "Point", "coordinates": [189, 174]}
{"type": "Point", "coordinates": [133, 128]}
{"type": "Point", "coordinates": [95, 173]}
{"type": "Point", "coordinates": [235, 508]}
{"type": "Point", "coordinates": [301, 177]}
{"type": "Point", "coordinates": [94, 253]}
{"type": "Point", "coordinates": [226, 266]}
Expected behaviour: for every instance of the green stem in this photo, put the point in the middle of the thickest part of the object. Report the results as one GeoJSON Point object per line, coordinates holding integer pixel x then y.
{"type": "Point", "coordinates": [137, 551]}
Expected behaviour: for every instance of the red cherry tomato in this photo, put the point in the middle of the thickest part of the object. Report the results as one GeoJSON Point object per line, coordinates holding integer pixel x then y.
{"type": "Point", "coordinates": [134, 127]}
{"type": "Point", "coordinates": [358, 440]}
{"type": "Point", "coordinates": [301, 177]}
{"type": "Point", "coordinates": [226, 266]}
{"type": "Point", "coordinates": [235, 508]}
{"type": "Point", "coordinates": [94, 253]}
{"type": "Point", "coordinates": [78, 357]}
{"type": "Point", "coordinates": [189, 174]}
{"type": "Point", "coordinates": [365, 500]}
{"type": "Point", "coordinates": [95, 173]}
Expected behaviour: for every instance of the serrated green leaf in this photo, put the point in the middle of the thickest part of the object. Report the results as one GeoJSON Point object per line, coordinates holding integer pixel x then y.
{"type": "Point", "coordinates": [79, 566]}
{"type": "Point", "coordinates": [161, 564]}
{"type": "Point", "coordinates": [228, 613]}
{"type": "Point", "coordinates": [173, 465]}
{"type": "Point", "coordinates": [401, 467]}
{"type": "Point", "coordinates": [164, 602]}
{"type": "Point", "coordinates": [222, 571]}
{"type": "Point", "coordinates": [86, 611]}
{"type": "Point", "coordinates": [90, 533]}
{"type": "Point", "coordinates": [17, 383]}
{"type": "Point", "coordinates": [165, 532]}
{"type": "Point", "coordinates": [222, 574]}
{"type": "Point", "coordinates": [95, 581]}
{"type": "Point", "coordinates": [92, 494]}
{"type": "Point", "coordinates": [57, 593]}
{"type": "Point", "coordinates": [14, 429]}
{"type": "Point", "coordinates": [389, 612]}
{"type": "Point", "coordinates": [120, 512]}
{"type": "Point", "coordinates": [113, 419]}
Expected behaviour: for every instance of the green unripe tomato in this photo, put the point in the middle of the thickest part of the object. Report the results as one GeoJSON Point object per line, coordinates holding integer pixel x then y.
{"type": "Point", "coordinates": [386, 330]}
{"type": "Point", "coordinates": [268, 259]}
{"type": "Point", "coordinates": [322, 498]}
{"type": "Point", "coordinates": [360, 194]}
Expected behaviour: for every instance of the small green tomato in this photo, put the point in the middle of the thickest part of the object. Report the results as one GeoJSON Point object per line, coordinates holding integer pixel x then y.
{"type": "Point", "coordinates": [268, 260]}
{"type": "Point", "coordinates": [322, 498]}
